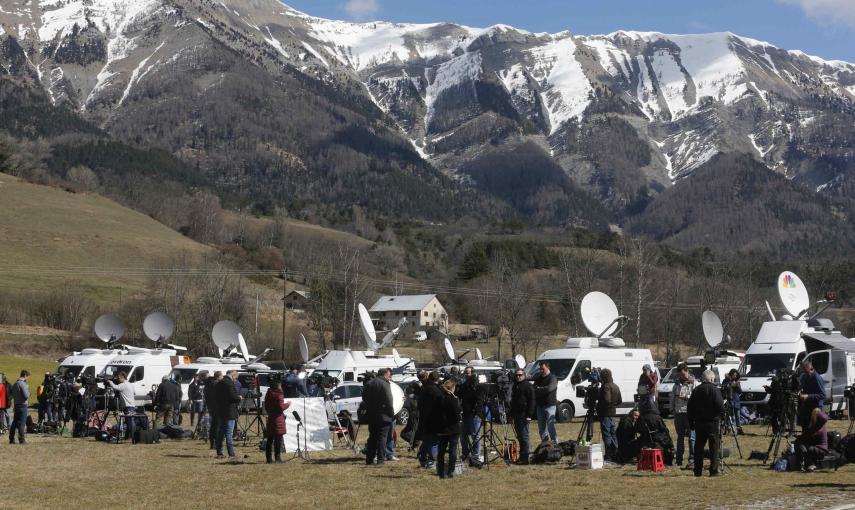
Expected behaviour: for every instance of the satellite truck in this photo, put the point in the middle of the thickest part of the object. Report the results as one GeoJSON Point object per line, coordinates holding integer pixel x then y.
{"type": "Point", "coordinates": [479, 365]}
{"type": "Point", "coordinates": [233, 355]}
{"type": "Point", "coordinates": [349, 365]}
{"type": "Point", "coordinates": [146, 367]}
{"type": "Point", "coordinates": [781, 345]}
{"type": "Point", "coordinates": [89, 362]}
{"type": "Point", "coordinates": [572, 364]}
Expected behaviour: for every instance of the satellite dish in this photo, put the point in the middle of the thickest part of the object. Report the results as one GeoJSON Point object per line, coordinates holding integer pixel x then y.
{"type": "Point", "coordinates": [158, 327]}
{"type": "Point", "coordinates": [713, 330]}
{"type": "Point", "coordinates": [367, 328]}
{"type": "Point", "coordinates": [449, 350]}
{"type": "Point", "coordinates": [520, 360]}
{"type": "Point", "coordinates": [398, 398]}
{"type": "Point", "coordinates": [225, 335]}
{"type": "Point", "coordinates": [244, 352]}
{"type": "Point", "coordinates": [304, 348]}
{"type": "Point", "coordinates": [600, 314]}
{"type": "Point", "coordinates": [109, 328]}
{"type": "Point", "coordinates": [793, 293]}
{"type": "Point", "coordinates": [478, 353]}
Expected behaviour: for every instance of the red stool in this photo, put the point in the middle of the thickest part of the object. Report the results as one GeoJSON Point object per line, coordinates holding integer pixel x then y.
{"type": "Point", "coordinates": [651, 459]}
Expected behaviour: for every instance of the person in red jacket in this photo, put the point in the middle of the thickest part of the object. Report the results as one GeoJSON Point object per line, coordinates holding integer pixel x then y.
{"type": "Point", "coordinates": [5, 419]}
{"type": "Point", "coordinates": [275, 405]}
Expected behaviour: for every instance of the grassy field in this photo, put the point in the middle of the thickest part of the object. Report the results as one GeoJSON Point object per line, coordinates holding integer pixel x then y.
{"type": "Point", "coordinates": [184, 474]}
{"type": "Point", "coordinates": [44, 226]}
{"type": "Point", "coordinates": [12, 366]}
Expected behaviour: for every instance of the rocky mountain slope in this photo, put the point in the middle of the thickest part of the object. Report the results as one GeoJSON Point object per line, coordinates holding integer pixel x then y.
{"type": "Point", "coordinates": [279, 105]}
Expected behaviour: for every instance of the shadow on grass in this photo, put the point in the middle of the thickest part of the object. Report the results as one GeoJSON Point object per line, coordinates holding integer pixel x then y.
{"type": "Point", "coordinates": [184, 456]}
{"type": "Point", "coordinates": [827, 485]}
{"type": "Point", "coordinates": [338, 460]}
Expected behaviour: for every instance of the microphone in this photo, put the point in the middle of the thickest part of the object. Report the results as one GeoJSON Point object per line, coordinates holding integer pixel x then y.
{"type": "Point", "coordinates": [296, 416]}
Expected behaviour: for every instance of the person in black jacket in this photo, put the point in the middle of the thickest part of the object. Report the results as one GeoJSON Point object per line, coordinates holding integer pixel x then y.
{"type": "Point", "coordinates": [429, 397]}
{"type": "Point", "coordinates": [545, 389]}
{"type": "Point", "coordinates": [607, 404]}
{"type": "Point", "coordinates": [446, 417]}
{"type": "Point", "coordinates": [227, 400]}
{"type": "Point", "coordinates": [212, 404]}
{"type": "Point", "coordinates": [377, 397]}
{"type": "Point", "coordinates": [472, 398]}
{"type": "Point", "coordinates": [164, 400]}
{"type": "Point", "coordinates": [195, 398]}
{"type": "Point", "coordinates": [522, 408]}
{"type": "Point", "coordinates": [653, 433]}
{"type": "Point", "coordinates": [705, 408]}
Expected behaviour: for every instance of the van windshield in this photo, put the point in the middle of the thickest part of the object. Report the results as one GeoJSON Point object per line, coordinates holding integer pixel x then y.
{"type": "Point", "coordinates": [764, 365]}
{"type": "Point", "coordinates": [560, 367]}
{"type": "Point", "coordinates": [183, 375]}
{"type": "Point", "coordinates": [64, 370]}
{"type": "Point", "coordinates": [114, 370]}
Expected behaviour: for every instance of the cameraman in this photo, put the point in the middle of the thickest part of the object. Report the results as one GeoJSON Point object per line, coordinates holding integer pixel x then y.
{"type": "Point", "coordinates": [44, 397]}
{"type": "Point", "coordinates": [522, 408]}
{"type": "Point", "coordinates": [293, 386]}
{"type": "Point", "coordinates": [731, 391]}
{"type": "Point", "coordinates": [126, 392]}
{"type": "Point", "coordinates": [545, 391]}
{"type": "Point", "coordinates": [704, 410]}
{"type": "Point", "coordinates": [607, 404]}
{"type": "Point", "coordinates": [648, 379]}
{"type": "Point", "coordinates": [812, 394]}
{"type": "Point", "coordinates": [472, 398]}
{"type": "Point", "coordinates": [164, 401]}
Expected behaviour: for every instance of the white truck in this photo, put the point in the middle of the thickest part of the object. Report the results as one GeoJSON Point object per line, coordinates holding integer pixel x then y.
{"type": "Point", "coordinates": [145, 369]}
{"type": "Point", "coordinates": [88, 362]}
{"type": "Point", "coordinates": [570, 366]}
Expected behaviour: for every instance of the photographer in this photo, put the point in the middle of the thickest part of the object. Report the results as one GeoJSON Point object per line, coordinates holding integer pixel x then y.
{"type": "Point", "coordinates": [472, 398]}
{"type": "Point", "coordinates": [648, 379]}
{"type": "Point", "coordinates": [680, 394]}
{"type": "Point", "coordinates": [126, 392]}
{"type": "Point", "coordinates": [812, 444]}
{"type": "Point", "coordinates": [44, 397]}
{"type": "Point", "coordinates": [522, 408]}
{"type": "Point", "coordinates": [195, 398]}
{"type": "Point", "coordinates": [704, 410]}
{"type": "Point", "coordinates": [545, 391]}
{"type": "Point", "coordinates": [607, 404]}
{"type": "Point", "coordinates": [731, 392]}
{"type": "Point", "coordinates": [428, 402]}
{"type": "Point", "coordinates": [812, 394]}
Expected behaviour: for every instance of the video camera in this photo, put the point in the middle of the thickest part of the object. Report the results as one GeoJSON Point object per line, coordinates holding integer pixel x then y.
{"type": "Point", "coordinates": [329, 383]}
{"type": "Point", "coordinates": [590, 393]}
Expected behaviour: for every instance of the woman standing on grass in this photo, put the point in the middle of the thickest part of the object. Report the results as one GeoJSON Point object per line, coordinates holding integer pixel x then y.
{"type": "Point", "coordinates": [447, 425]}
{"type": "Point", "coordinates": [275, 405]}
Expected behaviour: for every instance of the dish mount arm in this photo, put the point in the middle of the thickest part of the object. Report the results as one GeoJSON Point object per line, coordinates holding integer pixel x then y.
{"type": "Point", "coordinates": [621, 320]}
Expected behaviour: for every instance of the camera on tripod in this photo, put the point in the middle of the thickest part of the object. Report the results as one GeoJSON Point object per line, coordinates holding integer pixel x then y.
{"type": "Point", "coordinates": [590, 393]}
{"type": "Point", "coordinates": [849, 393]}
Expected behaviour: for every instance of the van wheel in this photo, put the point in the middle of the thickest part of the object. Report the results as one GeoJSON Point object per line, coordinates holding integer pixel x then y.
{"type": "Point", "coordinates": [403, 417]}
{"type": "Point", "coordinates": [564, 413]}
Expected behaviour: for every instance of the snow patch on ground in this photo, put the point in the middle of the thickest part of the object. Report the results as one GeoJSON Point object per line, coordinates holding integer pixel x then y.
{"type": "Point", "coordinates": [565, 87]}
{"type": "Point", "coordinates": [275, 43]}
{"type": "Point", "coordinates": [672, 82]}
{"type": "Point", "coordinates": [135, 75]}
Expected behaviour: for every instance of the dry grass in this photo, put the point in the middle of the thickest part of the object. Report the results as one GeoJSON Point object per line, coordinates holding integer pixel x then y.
{"type": "Point", "coordinates": [44, 226]}
{"type": "Point", "coordinates": [184, 474]}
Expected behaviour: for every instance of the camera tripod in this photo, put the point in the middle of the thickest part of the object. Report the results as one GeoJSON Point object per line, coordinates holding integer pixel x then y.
{"type": "Point", "coordinates": [781, 418]}
{"type": "Point", "coordinates": [729, 426]}
{"type": "Point", "coordinates": [851, 404]}
{"type": "Point", "coordinates": [253, 419]}
{"type": "Point", "coordinates": [490, 439]}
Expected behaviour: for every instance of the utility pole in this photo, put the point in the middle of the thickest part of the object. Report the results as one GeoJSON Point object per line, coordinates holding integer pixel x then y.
{"type": "Point", "coordinates": [284, 295]}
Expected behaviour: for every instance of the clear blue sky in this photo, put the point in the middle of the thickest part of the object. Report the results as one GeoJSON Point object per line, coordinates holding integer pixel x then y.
{"type": "Point", "coordinates": [819, 27]}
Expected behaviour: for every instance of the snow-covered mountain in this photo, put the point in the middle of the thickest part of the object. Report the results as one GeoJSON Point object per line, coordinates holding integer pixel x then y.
{"type": "Point", "coordinates": [623, 114]}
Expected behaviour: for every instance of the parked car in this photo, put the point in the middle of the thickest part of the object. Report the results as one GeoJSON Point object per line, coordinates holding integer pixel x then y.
{"type": "Point", "coordinates": [347, 397]}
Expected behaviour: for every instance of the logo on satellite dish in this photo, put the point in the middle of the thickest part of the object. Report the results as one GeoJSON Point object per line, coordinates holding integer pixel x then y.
{"type": "Point", "coordinates": [789, 282]}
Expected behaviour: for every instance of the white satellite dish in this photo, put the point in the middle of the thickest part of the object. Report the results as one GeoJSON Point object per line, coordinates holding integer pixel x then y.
{"type": "Point", "coordinates": [398, 398]}
{"type": "Point", "coordinates": [793, 294]}
{"type": "Point", "coordinates": [244, 351]}
{"type": "Point", "coordinates": [600, 314]}
{"type": "Point", "coordinates": [304, 348]}
{"type": "Point", "coordinates": [367, 328]}
{"type": "Point", "coordinates": [109, 328]}
{"type": "Point", "coordinates": [449, 350]}
{"type": "Point", "coordinates": [520, 360]}
{"type": "Point", "coordinates": [478, 354]}
{"type": "Point", "coordinates": [158, 327]}
{"type": "Point", "coordinates": [713, 330]}
{"type": "Point", "coordinates": [225, 335]}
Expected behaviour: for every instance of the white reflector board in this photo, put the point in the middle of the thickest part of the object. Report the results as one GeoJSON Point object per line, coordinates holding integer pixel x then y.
{"type": "Point", "coordinates": [598, 313]}
{"type": "Point", "coordinates": [315, 433]}
{"type": "Point", "coordinates": [793, 293]}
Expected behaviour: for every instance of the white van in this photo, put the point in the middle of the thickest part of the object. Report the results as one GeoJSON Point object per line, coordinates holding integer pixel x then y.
{"type": "Point", "coordinates": [87, 363]}
{"type": "Point", "coordinates": [779, 345]}
{"type": "Point", "coordinates": [350, 365]}
{"type": "Point", "coordinates": [833, 358]}
{"type": "Point", "coordinates": [581, 354]}
{"type": "Point", "coordinates": [723, 365]}
{"type": "Point", "coordinates": [145, 369]}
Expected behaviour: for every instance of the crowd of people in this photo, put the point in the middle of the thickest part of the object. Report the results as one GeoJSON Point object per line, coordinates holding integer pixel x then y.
{"type": "Point", "coordinates": [450, 412]}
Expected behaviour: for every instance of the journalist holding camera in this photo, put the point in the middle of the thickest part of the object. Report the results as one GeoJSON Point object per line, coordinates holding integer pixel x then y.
{"type": "Point", "coordinates": [126, 393]}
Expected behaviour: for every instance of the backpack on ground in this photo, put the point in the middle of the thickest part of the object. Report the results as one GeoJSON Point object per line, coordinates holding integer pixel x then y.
{"type": "Point", "coordinates": [568, 448]}
{"type": "Point", "coordinates": [546, 453]}
{"type": "Point", "coordinates": [146, 436]}
{"type": "Point", "coordinates": [847, 447]}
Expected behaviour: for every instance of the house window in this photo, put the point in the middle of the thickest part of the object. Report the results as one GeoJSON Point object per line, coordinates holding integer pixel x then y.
{"type": "Point", "coordinates": [434, 315]}
{"type": "Point", "coordinates": [426, 314]}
